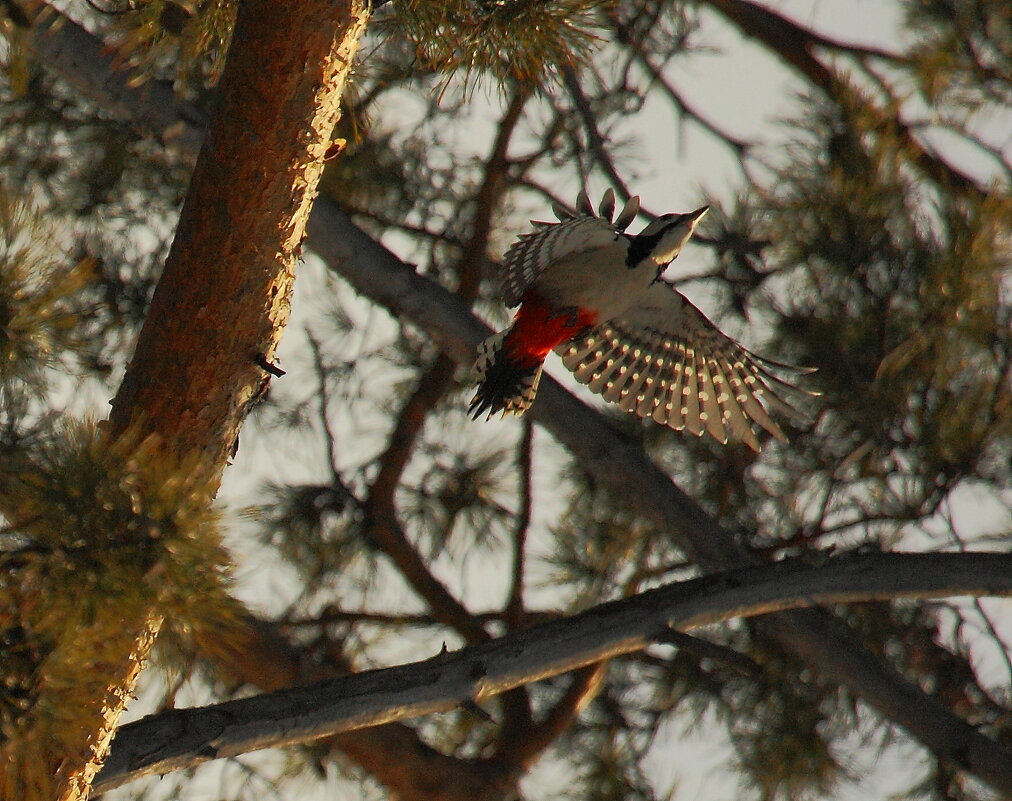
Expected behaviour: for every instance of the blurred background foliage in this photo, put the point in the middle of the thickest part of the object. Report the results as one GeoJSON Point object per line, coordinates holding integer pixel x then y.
{"type": "Point", "coordinates": [866, 231]}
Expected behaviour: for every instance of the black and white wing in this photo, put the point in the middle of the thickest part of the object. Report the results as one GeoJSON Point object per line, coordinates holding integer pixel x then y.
{"type": "Point", "coordinates": [576, 232]}
{"type": "Point", "coordinates": [665, 360]}
{"type": "Point", "coordinates": [527, 259]}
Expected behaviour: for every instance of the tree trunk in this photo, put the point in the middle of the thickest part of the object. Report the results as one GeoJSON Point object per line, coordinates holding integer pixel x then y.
{"type": "Point", "coordinates": [223, 300]}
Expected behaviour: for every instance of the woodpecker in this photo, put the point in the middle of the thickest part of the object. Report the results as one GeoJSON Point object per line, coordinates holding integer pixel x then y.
{"type": "Point", "coordinates": [594, 294]}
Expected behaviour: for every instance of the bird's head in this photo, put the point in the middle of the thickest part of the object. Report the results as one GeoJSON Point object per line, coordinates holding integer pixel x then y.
{"type": "Point", "coordinates": [666, 235]}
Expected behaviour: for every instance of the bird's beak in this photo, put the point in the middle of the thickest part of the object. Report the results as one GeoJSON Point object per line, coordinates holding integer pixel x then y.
{"type": "Point", "coordinates": [698, 214]}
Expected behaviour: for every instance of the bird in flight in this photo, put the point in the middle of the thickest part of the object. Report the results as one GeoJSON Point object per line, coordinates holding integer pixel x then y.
{"type": "Point", "coordinates": [594, 294]}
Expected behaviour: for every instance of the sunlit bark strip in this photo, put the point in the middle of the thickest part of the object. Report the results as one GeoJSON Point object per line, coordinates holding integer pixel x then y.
{"type": "Point", "coordinates": [394, 753]}
{"type": "Point", "coordinates": [223, 299]}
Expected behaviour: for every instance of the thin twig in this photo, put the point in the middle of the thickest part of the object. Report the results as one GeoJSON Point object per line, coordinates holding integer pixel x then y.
{"type": "Point", "coordinates": [323, 405]}
{"type": "Point", "coordinates": [598, 145]}
{"type": "Point", "coordinates": [515, 606]}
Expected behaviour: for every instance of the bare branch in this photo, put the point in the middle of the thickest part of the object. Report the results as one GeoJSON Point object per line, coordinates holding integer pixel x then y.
{"type": "Point", "coordinates": [796, 45]}
{"type": "Point", "coordinates": [332, 615]}
{"type": "Point", "coordinates": [381, 513]}
{"type": "Point", "coordinates": [621, 463]}
{"type": "Point", "coordinates": [624, 36]}
{"type": "Point", "coordinates": [598, 145]}
{"type": "Point", "coordinates": [524, 750]}
{"type": "Point", "coordinates": [184, 738]}
{"type": "Point", "coordinates": [323, 405]}
{"type": "Point", "coordinates": [515, 605]}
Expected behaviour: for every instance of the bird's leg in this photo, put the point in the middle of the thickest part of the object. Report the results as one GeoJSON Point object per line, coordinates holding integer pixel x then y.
{"type": "Point", "coordinates": [576, 321]}
{"type": "Point", "coordinates": [571, 313]}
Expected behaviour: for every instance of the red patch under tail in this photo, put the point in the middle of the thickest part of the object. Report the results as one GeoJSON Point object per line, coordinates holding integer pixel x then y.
{"type": "Point", "coordinates": [509, 364]}
{"type": "Point", "coordinates": [538, 327]}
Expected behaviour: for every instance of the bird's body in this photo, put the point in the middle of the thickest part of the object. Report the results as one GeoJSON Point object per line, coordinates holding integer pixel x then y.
{"type": "Point", "coordinates": [593, 293]}
{"type": "Point", "coordinates": [588, 269]}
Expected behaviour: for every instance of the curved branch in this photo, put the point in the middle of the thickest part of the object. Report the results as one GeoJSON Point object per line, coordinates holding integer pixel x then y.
{"type": "Point", "coordinates": [528, 746]}
{"type": "Point", "coordinates": [381, 512]}
{"type": "Point", "coordinates": [184, 738]}
{"type": "Point", "coordinates": [381, 509]}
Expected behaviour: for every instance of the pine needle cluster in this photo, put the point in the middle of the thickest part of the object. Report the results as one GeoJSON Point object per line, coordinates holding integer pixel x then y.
{"type": "Point", "coordinates": [38, 297]}
{"type": "Point", "coordinates": [93, 526]}
{"type": "Point", "coordinates": [525, 40]}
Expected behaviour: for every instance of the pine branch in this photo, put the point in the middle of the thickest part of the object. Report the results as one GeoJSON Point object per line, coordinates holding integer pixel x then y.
{"type": "Point", "coordinates": [515, 613]}
{"type": "Point", "coordinates": [596, 141]}
{"type": "Point", "coordinates": [183, 738]}
{"type": "Point", "coordinates": [263, 657]}
{"type": "Point", "coordinates": [381, 514]}
{"type": "Point", "coordinates": [527, 746]}
{"type": "Point", "coordinates": [796, 45]}
{"type": "Point", "coordinates": [617, 461]}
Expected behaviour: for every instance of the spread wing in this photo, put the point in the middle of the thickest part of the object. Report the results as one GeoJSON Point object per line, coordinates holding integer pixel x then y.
{"type": "Point", "coordinates": [528, 258]}
{"type": "Point", "coordinates": [665, 360]}
{"type": "Point", "coordinates": [576, 232]}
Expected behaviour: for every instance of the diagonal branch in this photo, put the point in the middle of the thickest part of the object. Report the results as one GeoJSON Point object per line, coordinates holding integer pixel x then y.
{"type": "Point", "coordinates": [526, 748]}
{"type": "Point", "coordinates": [796, 45]}
{"type": "Point", "coordinates": [184, 738]}
{"type": "Point", "coordinates": [595, 139]}
{"type": "Point", "coordinates": [618, 461]}
{"type": "Point", "coordinates": [257, 653]}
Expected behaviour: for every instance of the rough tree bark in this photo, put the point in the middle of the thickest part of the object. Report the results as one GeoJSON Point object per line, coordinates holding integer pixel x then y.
{"type": "Point", "coordinates": [223, 299]}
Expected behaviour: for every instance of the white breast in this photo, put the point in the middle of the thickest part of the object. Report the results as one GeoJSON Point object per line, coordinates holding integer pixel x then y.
{"type": "Point", "coordinates": [596, 280]}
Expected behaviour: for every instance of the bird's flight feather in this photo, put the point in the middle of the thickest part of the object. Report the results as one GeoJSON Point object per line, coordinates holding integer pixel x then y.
{"type": "Point", "coordinates": [663, 359]}
{"type": "Point", "coordinates": [576, 231]}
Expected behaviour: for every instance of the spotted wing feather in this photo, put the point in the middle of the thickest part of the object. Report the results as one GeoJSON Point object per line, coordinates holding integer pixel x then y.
{"type": "Point", "coordinates": [533, 253]}
{"type": "Point", "coordinates": [582, 229]}
{"type": "Point", "coordinates": [665, 360]}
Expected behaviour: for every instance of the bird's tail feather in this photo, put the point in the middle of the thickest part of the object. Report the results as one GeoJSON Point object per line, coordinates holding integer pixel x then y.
{"type": "Point", "coordinates": [504, 384]}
